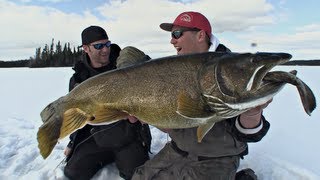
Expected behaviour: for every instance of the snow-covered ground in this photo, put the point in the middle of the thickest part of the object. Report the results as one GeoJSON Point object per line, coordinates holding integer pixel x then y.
{"type": "Point", "coordinates": [289, 151]}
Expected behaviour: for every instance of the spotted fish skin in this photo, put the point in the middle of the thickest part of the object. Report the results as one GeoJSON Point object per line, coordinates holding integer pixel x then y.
{"type": "Point", "coordinates": [185, 91]}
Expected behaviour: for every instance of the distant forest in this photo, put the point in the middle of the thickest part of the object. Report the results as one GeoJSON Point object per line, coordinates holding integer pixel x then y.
{"type": "Point", "coordinates": [56, 55]}
{"type": "Point", "coordinates": [53, 55]}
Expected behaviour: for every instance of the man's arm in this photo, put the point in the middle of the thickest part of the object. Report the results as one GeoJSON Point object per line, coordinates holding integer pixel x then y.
{"type": "Point", "coordinates": [252, 118]}
{"type": "Point", "coordinates": [251, 126]}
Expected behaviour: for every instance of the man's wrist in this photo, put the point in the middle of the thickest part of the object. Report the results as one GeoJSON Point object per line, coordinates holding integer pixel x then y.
{"type": "Point", "coordinates": [245, 130]}
{"type": "Point", "coordinates": [251, 114]}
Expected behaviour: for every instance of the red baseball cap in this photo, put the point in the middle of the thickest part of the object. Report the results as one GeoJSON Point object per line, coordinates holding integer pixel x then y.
{"type": "Point", "coordinates": [190, 20]}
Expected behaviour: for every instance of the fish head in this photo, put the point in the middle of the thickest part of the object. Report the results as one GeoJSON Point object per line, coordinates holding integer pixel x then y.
{"type": "Point", "coordinates": [237, 74]}
{"type": "Point", "coordinates": [233, 83]}
{"type": "Point", "coordinates": [240, 74]}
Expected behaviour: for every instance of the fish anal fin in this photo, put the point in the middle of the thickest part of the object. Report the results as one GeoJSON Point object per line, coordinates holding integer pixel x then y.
{"type": "Point", "coordinates": [73, 119]}
{"type": "Point", "coordinates": [107, 114]}
{"type": "Point", "coordinates": [203, 130]}
{"type": "Point", "coordinates": [190, 107]}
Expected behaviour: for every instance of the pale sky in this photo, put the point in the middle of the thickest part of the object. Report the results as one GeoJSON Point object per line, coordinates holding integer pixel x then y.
{"type": "Point", "coordinates": [274, 25]}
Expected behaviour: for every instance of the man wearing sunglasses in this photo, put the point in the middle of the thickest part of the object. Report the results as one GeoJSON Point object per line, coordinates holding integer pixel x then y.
{"type": "Point", "coordinates": [217, 156]}
{"type": "Point", "coordinates": [92, 147]}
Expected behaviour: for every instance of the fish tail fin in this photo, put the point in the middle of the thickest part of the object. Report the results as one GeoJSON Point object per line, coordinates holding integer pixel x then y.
{"type": "Point", "coordinates": [307, 97]}
{"type": "Point", "coordinates": [51, 109]}
{"type": "Point", "coordinates": [49, 132]}
{"type": "Point", "coordinates": [47, 137]}
{"type": "Point", "coordinates": [57, 127]}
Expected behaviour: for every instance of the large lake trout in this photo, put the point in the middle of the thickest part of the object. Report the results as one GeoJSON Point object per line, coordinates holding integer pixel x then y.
{"type": "Point", "coordinates": [185, 91]}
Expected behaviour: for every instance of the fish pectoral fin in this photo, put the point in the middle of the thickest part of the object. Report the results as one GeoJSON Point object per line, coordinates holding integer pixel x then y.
{"type": "Point", "coordinates": [107, 114]}
{"type": "Point", "coordinates": [73, 119]}
{"type": "Point", "coordinates": [220, 108]}
{"type": "Point", "coordinates": [190, 107]}
{"type": "Point", "coordinates": [203, 130]}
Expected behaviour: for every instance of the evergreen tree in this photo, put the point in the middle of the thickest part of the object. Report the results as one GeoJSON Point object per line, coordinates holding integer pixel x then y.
{"type": "Point", "coordinates": [45, 56]}
{"type": "Point", "coordinates": [51, 59]}
{"type": "Point", "coordinates": [58, 54]}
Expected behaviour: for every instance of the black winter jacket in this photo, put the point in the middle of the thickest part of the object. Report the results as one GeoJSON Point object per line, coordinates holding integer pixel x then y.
{"type": "Point", "coordinates": [115, 135]}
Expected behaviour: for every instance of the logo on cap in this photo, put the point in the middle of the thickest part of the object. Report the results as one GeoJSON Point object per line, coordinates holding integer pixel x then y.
{"type": "Point", "coordinates": [186, 18]}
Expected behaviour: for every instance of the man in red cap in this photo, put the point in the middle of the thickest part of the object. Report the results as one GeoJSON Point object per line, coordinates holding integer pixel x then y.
{"type": "Point", "coordinates": [219, 153]}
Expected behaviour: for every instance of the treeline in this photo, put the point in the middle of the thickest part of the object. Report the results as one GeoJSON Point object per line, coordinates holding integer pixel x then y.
{"type": "Point", "coordinates": [53, 55]}
{"type": "Point", "coordinates": [19, 63]}
{"type": "Point", "coordinates": [58, 55]}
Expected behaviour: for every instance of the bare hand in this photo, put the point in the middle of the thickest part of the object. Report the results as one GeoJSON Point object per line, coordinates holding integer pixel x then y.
{"type": "Point", "coordinates": [67, 151]}
{"type": "Point", "coordinates": [252, 117]}
{"type": "Point", "coordinates": [257, 110]}
{"type": "Point", "coordinates": [132, 119]}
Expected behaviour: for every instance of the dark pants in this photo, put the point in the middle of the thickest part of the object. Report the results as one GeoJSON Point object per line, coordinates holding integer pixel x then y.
{"type": "Point", "coordinates": [169, 164]}
{"type": "Point", "coordinates": [90, 158]}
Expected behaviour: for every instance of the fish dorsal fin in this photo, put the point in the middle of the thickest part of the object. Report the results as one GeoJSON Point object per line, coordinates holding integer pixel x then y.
{"type": "Point", "coordinates": [203, 130]}
{"type": "Point", "coordinates": [190, 107]}
{"type": "Point", "coordinates": [73, 119]}
{"type": "Point", "coordinates": [108, 113]}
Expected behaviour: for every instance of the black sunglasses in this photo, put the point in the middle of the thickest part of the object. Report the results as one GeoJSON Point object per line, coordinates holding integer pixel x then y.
{"type": "Point", "coordinates": [176, 34]}
{"type": "Point", "coordinates": [101, 45]}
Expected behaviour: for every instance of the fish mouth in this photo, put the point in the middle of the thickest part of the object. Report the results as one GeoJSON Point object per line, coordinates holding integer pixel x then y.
{"type": "Point", "coordinates": [260, 85]}
{"type": "Point", "coordinates": [267, 61]}
{"type": "Point", "coordinates": [270, 85]}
